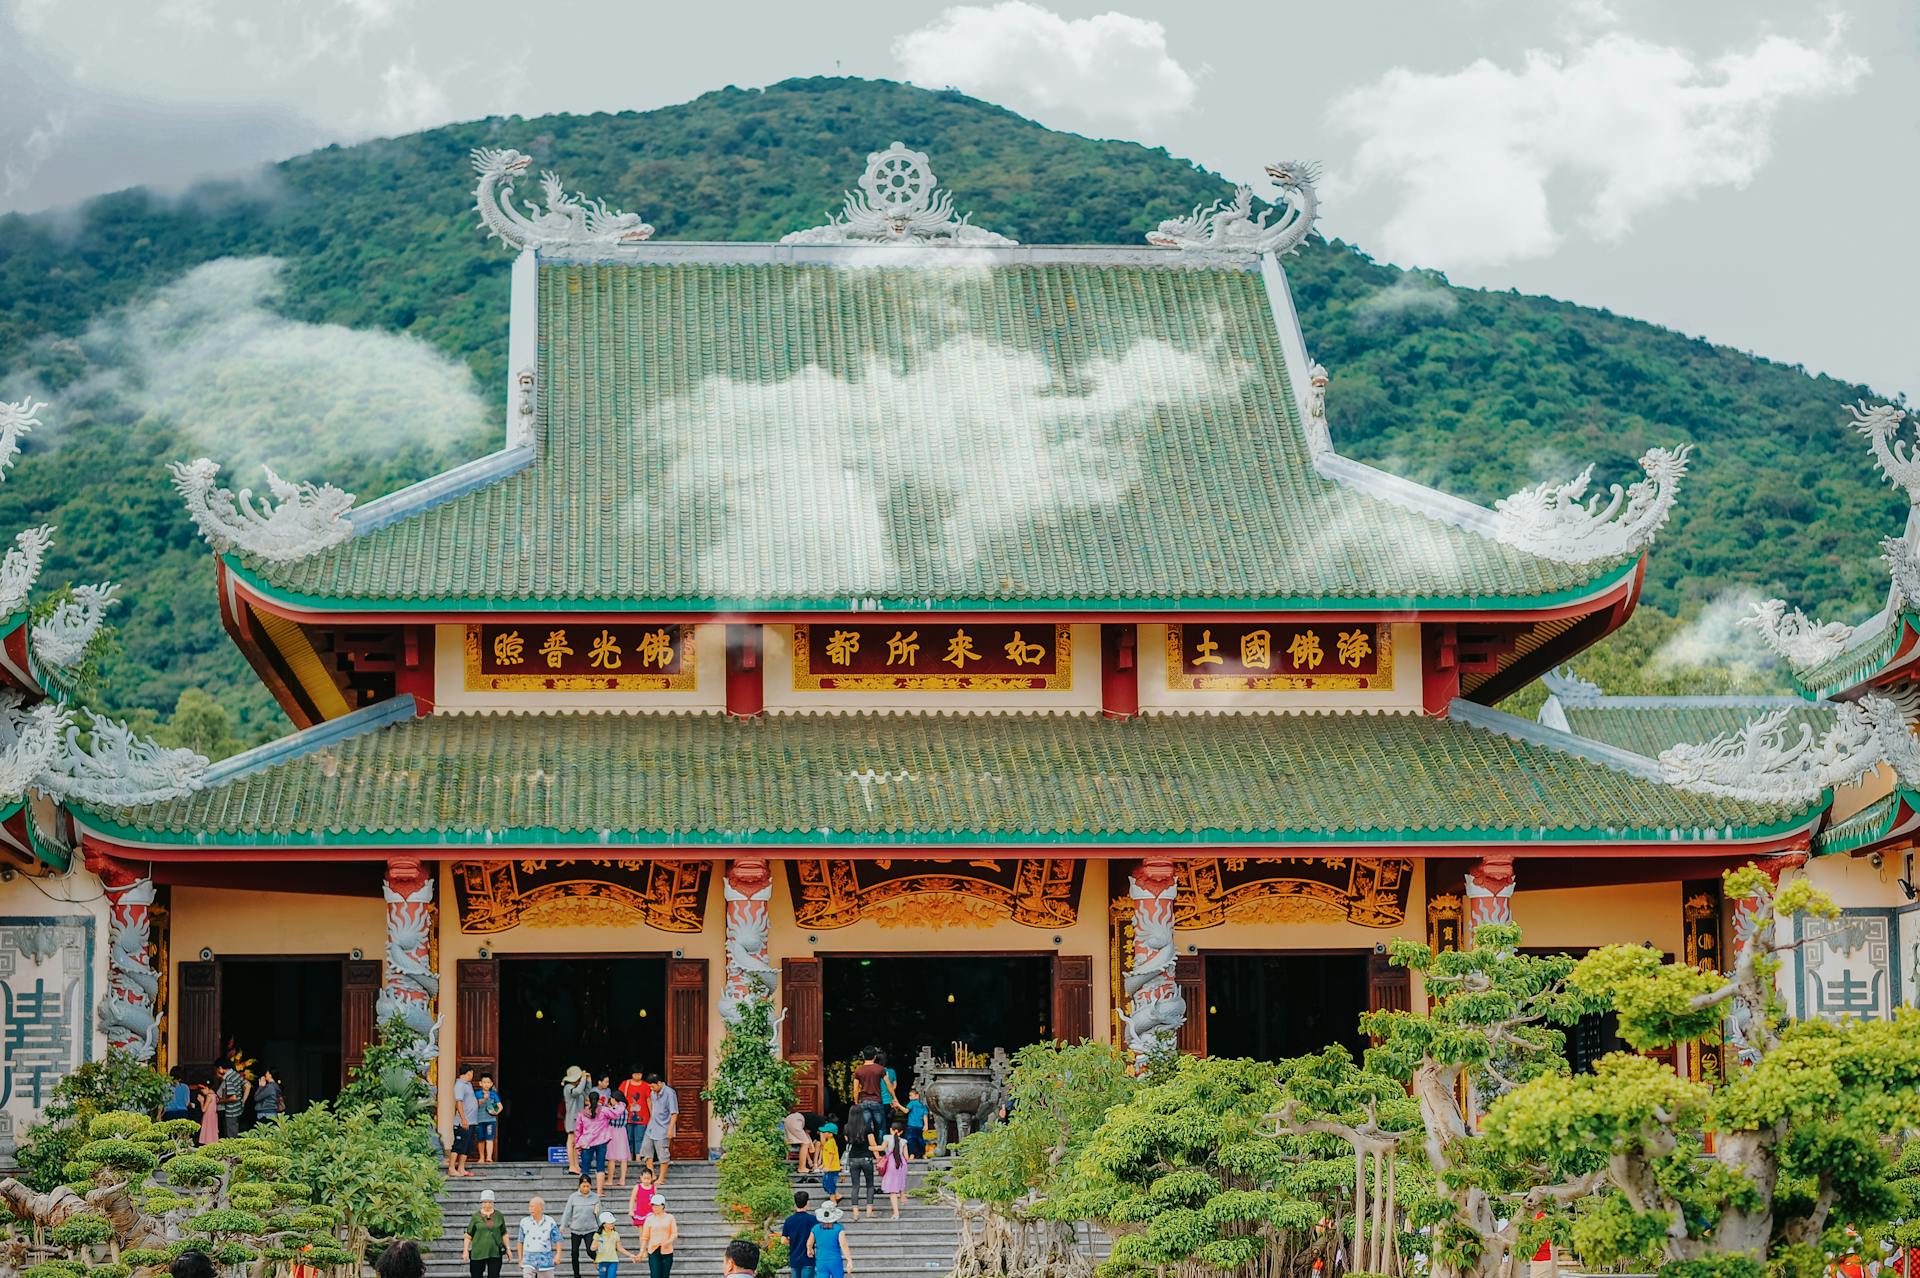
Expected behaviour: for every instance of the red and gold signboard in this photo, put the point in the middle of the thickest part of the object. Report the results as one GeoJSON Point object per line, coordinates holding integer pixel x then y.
{"type": "Point", "coordinates": [937, 656]}
{"type": "Point", "coordinates": [579, 657]}
{"type": "Point", "coordinates": [1318, 655]}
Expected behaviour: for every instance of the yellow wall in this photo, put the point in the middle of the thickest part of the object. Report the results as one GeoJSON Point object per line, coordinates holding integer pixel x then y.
{"type": "Point", "coordinates": [1849, 799]}
{"type": "Point", "coordinates": [1854, 883]}
{"type": "Point", "coordinates": [1578, 918]}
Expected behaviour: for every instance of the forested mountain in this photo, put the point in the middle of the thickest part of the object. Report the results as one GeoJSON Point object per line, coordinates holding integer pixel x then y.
{"type": "Point", "coordinates": [341, 317]}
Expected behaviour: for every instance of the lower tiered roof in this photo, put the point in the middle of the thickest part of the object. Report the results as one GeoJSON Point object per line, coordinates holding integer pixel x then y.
{"type": "Point", "coordinates": [384, 779]}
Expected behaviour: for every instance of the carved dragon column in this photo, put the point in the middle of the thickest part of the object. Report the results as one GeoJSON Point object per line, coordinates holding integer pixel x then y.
{"type": "Point", "coordinates": [1155, 1007]}
{"type": "Point", "coordinates": [129, 1012]}
{"type": "Point", "coordinates": [748, 890]}
{"type": "Point", "coordinates": [1489, 893]}
{"type": "Point", "coordinates": [411, 987]}
{"type": "Point", "coordinates": [1737, 1033]}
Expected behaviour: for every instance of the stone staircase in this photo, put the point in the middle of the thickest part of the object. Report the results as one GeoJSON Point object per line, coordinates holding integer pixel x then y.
{"type": "Point", "coordinates": [918, 1245]}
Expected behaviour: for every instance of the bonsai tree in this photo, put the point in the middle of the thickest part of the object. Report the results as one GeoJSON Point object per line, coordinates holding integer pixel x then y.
{"type": "Point", "coordinates": [391, 1072]}
{"type": "Point", "coordinates": [1492, 1025]}
{"type": "Point", "coordinates": [1005, 1172]}
{"type": "Point", "coordinates": [1810, 1128]}
{"type": "Point", "coordinates": [117, 1081]}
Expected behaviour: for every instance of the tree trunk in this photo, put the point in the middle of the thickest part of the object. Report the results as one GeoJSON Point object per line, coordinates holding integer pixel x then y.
{"type": "Point", "coordinates": [132, 1227]}
{"type": "Point", "coordinates": [1435, 1087]}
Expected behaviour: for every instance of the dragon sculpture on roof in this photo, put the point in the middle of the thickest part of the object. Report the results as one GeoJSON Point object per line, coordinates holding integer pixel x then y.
{"type": "Point", "coordinates": [1232, 226]}
{"type": "Point", "coordinates": [569, 221]}
{"type": "Point", "coordinates": [1559, 521]}
{"type": "Point", "coordinates": [301, 520]}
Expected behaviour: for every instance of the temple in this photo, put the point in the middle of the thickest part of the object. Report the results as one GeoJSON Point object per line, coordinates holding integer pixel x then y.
{"type": "Point", "coordinates": [970, 642]}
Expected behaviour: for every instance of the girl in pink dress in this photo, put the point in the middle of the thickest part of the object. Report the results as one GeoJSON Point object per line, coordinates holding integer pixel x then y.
{"type": "Point", "coordinates": [209, 1116]}
{"type": "Point", "coordinates": [619, 1148]}
{"type": "Point", "coordinates": [893, 1164]}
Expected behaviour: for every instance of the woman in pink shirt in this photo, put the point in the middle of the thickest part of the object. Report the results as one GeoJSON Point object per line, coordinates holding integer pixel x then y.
{"type": "Point", "coordinates": [591, 1132]}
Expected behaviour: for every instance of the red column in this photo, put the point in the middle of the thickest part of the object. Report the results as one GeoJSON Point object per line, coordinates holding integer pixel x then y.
{"type": "Point", "coordinates": [1489, 892]}
{"type": "Point", "coordinates": [130, 1013]}
{"type": "Point", "coordinates": [749, 895]}
{"type": "Point", "coordinates": [1155, 1007]}
{"type": "Point", "coordinates": [410, 983]}
{"type": "Point", "coordinates": [746, 692]}
{"type": "Point", "coordinates": [415, 674]}
{"type": "Point", "coordinates": [1119, 671]}
{"type": "Point", "coordinates": [1439, 666]}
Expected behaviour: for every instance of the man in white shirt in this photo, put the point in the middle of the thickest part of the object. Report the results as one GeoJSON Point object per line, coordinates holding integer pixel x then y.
{"type": "Point", "coordinates": [539, 1241]}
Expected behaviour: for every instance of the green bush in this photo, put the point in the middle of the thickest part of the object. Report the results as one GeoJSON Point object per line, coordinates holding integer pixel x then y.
{"type": "Point", "coordinates": [121, 1155]}
{"type": "Point", "coordinates": [233, 1253]}
{"type": "Point", "coordinates": [119, 1125]}
{"type": "Point", "coordinates": [144, 1257]}
{"type": "Point", "coordinates": [82, 1230]}
{"type": "Point", "coordinates": [110, 1269]}
{"type": "Point", "coordinates": [54, 1269]}
{"type": "Point", "coordinates": [193, 1171]}
{"type": "Point", "coordinates": [226, 1220]}
{"type": "Point", "coordinates": [178, 1129]}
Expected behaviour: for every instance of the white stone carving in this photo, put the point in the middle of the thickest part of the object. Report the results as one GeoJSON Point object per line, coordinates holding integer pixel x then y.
{"type": "Point", "coordinates": [1796, 638]}
{"type": "Point", "coordinates": [520, 429]}
{"type": "Point", "coordinates": [1319, 435]}
{"type": "Point", "coordinates": [1902, 556]}
{"type": "Point", "coordinates": [568, 221]}
{"type": "Point", "coordinates": [1899, 462]}
{"type": "Point", "coordinates": [301, 520]}
{"type": "Point", "coordinates": [21, 567]}
{"type": "Point", "coordinates": [1766, 761]}
{"type": "Point", "coordinates": [1560, 522]}
{"type": "Point", "coordinates": [118, 769]}
{"type": "Point", "coordinates": [1572, 690]}
{"type": "Point", "coordinates": [899, 202]}
{"type": "Point", "coordinates": [29, 742]}
{"type": "Point", "coordinates": [16, 420]}
{"type": "Point", "coordinates": [126, 1010]}
{"type": "Point", "coordinates": [61, 638]}
{"type": "Point", "coordinates": [1231, 226]}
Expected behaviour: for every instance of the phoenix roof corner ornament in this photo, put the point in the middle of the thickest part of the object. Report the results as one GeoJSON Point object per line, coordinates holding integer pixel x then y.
{"type": "Point", "coordinates": [16, 420]}
{"type": "Point", "coordinates": [20, 567]}
{"type": "Point", "coordinates": [1572, 690]}
{"type": "Point", "coordinates": [1796, 638]}
{"type": "Point", "coordinates": [61, 637]}
{"type": "Point", "coordinates": [1560, 522]}
{"type": "Point", "coordinates": [116, 767]}
{"type": "Point", "coordinates": [1232, 226]}
{"type": "Point", "coordinates": [569, 221]}
{"type": "Point", "coordinates": [301, 520]}
{"type": "Point", "coordinates": [899, 202]}
{"type": "Point", "coordinates": [1767, 761]}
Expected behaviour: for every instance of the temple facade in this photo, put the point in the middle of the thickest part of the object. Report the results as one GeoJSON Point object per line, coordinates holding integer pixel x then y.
{"type": "Point", "coordinates": [968, 643]}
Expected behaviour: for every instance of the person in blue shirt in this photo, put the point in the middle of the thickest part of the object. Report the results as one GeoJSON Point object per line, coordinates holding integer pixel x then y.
{"type": "Point", "coordinates": [827, 1244]}
{"type": "Point", "coordinates": [916, 1108]}
{"type": "Point", "coordinates": [797, 1229]}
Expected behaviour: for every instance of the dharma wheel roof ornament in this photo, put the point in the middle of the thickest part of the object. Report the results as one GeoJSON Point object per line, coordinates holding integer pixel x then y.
{"type": "Point", "coordinates": [1560, 522]}
{"type": "Point", "coordinates": [899, 202]}
{"type": "Point", "coordinates": [1231, 226]}
{"type": "Point", "coordinates": [301, 520]}
{"type": "Point", "coordinates": [568, 221]}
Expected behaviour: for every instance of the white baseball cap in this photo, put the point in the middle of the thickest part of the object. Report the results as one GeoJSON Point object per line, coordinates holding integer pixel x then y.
{"type": "Point", "coordinates": [486, 1195]}
{"type": "Point", "coordinates": [659, 1200]}
{"type": "Point", "coordinates": [606, 1218]}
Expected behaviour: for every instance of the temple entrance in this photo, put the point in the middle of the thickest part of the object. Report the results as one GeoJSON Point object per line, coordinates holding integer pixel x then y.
{"type": "Point", "coordinates": [1269, 1006]}
{"type": "Point", "coordinates": [286, 1015]}
{"type": "Point", "coordinates": [900, 1003]}
{"type": "Point", "coordinates": [607, 1015]}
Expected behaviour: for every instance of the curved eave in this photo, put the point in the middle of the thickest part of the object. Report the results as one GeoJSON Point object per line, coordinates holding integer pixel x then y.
{"type": "Point", "coordinates": [1893, 650]}
{"type": "Point", "coordinates": [1896, 816]}
{"type": "Point", "coordinates": [370, 844]}
{"type": "Point", "coordinates": [16, 656]}
{"type": "Point", "coordinates": [297, 606]}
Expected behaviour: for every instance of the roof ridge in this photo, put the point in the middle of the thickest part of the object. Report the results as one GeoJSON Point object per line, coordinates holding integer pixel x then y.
{"type": "Point", "coordinates": [1499, 722]}
{"type": "Point", "coordinates": [311, 740]}
{"type": "Point", "coordinates": [437, 489]}
{"type": "Point", "coordinates": [1694, 701]}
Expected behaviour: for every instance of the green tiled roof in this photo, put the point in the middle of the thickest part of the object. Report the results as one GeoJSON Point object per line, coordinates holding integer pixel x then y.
{"type": "Point", "coordinates": [1869, 825]}
{"type": "Point", "coordinates": [883, 780]}
{"type": "Point", "coordinates": [1859, 662]}
{"type": "Point", "coordinates": [1648, 725]}
{"type": "Point", "coordinates": [785, 434]}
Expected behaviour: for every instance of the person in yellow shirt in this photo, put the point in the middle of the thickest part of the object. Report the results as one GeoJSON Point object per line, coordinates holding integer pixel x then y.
{"type": "Point", "coordinates": [830, 1159]}
{"type": "Point", "coordinates": [607, 1250]}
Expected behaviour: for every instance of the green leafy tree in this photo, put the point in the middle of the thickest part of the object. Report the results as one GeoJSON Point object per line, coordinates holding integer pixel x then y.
{"type": "Point", "coordinates": [1061, 1094]}
{"type": "Point", "coordinates": [750, 1071]}
{"type": "Point", "coordinates": [751, 1092]}
{"type": "Point", "coordinates": [202, 724]}
{"type": "Point", "coordinates": [373, 1165]}
{"type": "Point", "coordinates": [1492, 1024]}
{"type": "Point", "coordinates": [1810, 1128]}
{"type": "Point", "coordinates": [390, 1075]}
{"type": "Point", "coordinates": [117, 1081]}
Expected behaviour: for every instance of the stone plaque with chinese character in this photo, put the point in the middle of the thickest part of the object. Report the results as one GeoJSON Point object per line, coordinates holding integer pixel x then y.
{"type": "Point", "coordinates": [579, 657]}
{"type": "Point", "coordinates": [938, 656]}
{"type": "Point", "coordinates": [1847, 968]}
{"type": "Point", "coordinates": [1318, 655]}
{"type": "Point", "coordinates": [46, 1005]}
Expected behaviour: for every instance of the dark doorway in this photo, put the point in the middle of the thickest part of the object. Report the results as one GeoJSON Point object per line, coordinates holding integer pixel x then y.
{"type": "Point", "coordinates": [901, 1004]}
{"type": "Point", "coordinates": [1269, 1006]}
{"type": "Point", "coordinates": [606, 1015]}
{"type": "Point", "coordinates": [285, 1014]}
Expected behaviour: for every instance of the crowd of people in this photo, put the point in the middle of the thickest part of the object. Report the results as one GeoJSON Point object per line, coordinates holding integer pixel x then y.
{"type": "Point", "coordinates": [885, 1132]}
{"type": "Point", "coordinates": [607, 1128]}
{"type": "Point", "coordinates": [583, 1226]}
{"type": "Point", "coordinates": [222, 1103]}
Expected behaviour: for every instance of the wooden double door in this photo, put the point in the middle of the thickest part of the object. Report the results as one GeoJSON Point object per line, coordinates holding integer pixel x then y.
{"type": "Point", "coordinates": [1380, 986]}
{"type": "Point", "coordinates": [204, 988]}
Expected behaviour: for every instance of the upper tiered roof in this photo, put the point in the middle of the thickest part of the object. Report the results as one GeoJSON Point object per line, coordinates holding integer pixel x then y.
{"type": "Point", "coordinates": [918, 415]}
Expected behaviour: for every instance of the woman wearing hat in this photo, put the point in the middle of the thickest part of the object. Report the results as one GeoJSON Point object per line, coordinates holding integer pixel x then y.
{"type": "Point", "coordinates": [573, 1094]}
{"type": "Point", "coordinates": [485, 1245]}
{"type": "Point", "coordinates": [657, 1237]}
{"type": "Point", "coordinates": [828, 1244]}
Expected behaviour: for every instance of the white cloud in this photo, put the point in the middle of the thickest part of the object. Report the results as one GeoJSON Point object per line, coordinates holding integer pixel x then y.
{"type": "Point", "coordinates": [1490, 162]}
{"type": "Point", "coordinates": [1110, 68]}
{"type": "Point", "coordinates": [1716, 641]}
{"type": "Point", "coordinates": [410, 98]}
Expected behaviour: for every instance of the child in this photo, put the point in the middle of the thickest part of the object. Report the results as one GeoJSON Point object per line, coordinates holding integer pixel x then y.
{"type": "Point", "coordinates": [916, 1123]}
{"type": "Point", "coordinates": [642, 1198]}
{"type": "Point", "coordinates": [487, 1130]}
{"type": "Point", "coordinates": [893, 1166]}
{"type": "Point", "coordinates": [607, 1249]}
{"type": "Point", "coordinates": [827, 1245]}
{"type": "Point", "coordinates": [619, 1151]}
{"type": "Point", "coordinates": [830, 1160]}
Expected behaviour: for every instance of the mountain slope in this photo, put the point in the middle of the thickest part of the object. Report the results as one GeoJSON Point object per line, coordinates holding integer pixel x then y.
{"type": "Point", "coordinates": [151, 353]}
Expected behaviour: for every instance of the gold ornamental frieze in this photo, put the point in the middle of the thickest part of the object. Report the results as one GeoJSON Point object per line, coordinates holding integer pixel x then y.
{"type": "Point", "coordinates": [1035, 892]}
{"type": "Point", "coordinates": [493, 896]}
{"type": "Point", "coordinates": [1371, 892]}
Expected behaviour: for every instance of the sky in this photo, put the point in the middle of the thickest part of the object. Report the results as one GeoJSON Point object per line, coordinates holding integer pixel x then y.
{"type": "Point", "coordinates": [1744, 172]}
